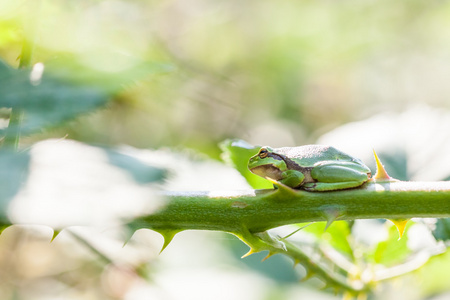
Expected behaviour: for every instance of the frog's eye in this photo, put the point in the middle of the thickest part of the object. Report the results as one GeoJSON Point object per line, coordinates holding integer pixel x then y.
{"type": "Point", "coordinates": [263, 153]}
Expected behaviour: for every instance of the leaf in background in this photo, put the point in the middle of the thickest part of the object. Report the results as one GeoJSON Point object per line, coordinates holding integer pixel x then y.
{"type": "Point", "coordinates": [433, 276]}
{"type": "Point", "coordinates": [442, 230]}
{"type": "Point", "coordinates": [236, 153]}
{"type": "Point", "coordinates": [336, 235]}
{"type": "Point", "coordinates": [108, 71]}
{"type": "Point", "coordinates": [13, 172]}
{"type": "Point", "coordinates": [277, 267]}
{"type": "Point", "coordinates": [399, 142]}
{"type": "Point", "coordinates": [65, 89]}
{"type": "Point", "coordinates": [5, 70]}
{"type": "Point", "coordinates": [393, 250]}
{"type": "Point", "coordinates": [70, 183]}
{"type": "Point", "coordinates": [45, 101]}
{"type": "Point", "coordinates": [140, 171]}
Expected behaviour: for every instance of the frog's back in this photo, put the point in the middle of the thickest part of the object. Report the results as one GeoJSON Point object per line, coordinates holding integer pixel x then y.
{"type": "Point", "coordinates": [308, 155]}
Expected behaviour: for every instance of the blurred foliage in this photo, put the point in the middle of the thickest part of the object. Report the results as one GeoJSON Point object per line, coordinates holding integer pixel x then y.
{"type": "Point", "coordinates": [13, 172]}
{"type": "Point", "coordinates": [279, 77]}
{"type": "Point", "coordinates": [192, 73]}
{"type": "Point", "coordinates": [45, 101]}
{"type": "Point", "coordinates": [442, 230]}
{"type": "Point", "coordinates": [141, 173]}
{"type": "Point", "coordinates": [393, 250]}
{"type": "Point", "coordinates": [337, 235]}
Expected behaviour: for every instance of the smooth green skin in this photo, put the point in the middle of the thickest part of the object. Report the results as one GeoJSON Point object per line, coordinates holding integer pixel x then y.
{"type": "Point", "coordinates": [311, 167]}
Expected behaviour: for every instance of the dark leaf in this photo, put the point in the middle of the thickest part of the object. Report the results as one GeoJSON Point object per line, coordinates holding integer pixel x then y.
{"type": "Point", "coordinates": [109, 80]}
{"type": "Point", "coordinates": [140, 171]}
{"type": "Point", "coordinates": [46, 102]}
{"type": "Point", "coordinates": [66, 89]}
{"type": "Point", "coordinates": [442, 230]}
{"type": "Point", "coordinates": [13, 172]}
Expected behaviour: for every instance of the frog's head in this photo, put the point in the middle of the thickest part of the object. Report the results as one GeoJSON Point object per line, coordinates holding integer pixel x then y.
{"type": "Point", "coordinates": [266, 163]}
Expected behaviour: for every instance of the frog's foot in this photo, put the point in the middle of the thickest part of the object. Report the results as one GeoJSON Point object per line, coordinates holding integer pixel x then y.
{"type": "Point", "coordinates": [324, 187]}
{"type": "Point", "coordinates": [336, 176]}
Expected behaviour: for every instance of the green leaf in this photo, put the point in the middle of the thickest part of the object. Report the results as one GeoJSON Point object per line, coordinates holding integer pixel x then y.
{"type": "Point", "coordinates": [336, 235]}
{"type": "Point", "coordinates": [393, 250]}
{"type": "Point", "coordinates": [433, 276]}
{"type": "Point", "coordinates": [140, 171]}
{"type": "Point", "coordinates": [3, 226]}
{"type": "Point", "coordinates": [13, 172]}
{"type": "Point", "coordinates": [66, 89]}
{"type": "Point", "coordinates": [442, 230]}
{"type": "Point", "coordinates": [108, 71]}
{"type": "Point", "coordinates": [236, 153]}
{"type": "Point", "coordinates": [5, 70]}
{"type": "Point", "coordinates": [276, 267]}
{"type": "Point", "coordinates": [46, 102]}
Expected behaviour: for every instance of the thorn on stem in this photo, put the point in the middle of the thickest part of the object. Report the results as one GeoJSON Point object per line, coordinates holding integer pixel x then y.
{"type": "Point", "coordinates": [331, 215]}
{"type": "Point", "coordinates": [381, 173]}
{"type": "Point", "coordinates": [168, 236]}
{"type": "Point", "coordinates": [128, 237]}
{"type": "Point", "coordinates": [268, 255]}
{"type": "Point", "coordinates": [308, 275]}
{"type": "Point", "coordinates": [401, 225]}
{"type": "Point", "coordinates": [250, 252]}
{"type": "Point", "coordinates": [56, 232]}
{"type": "Point", "coordinates": [284, 189]}
{"type": "Point", "coordinates": [3, 227]}
{"type": "Point", "coordinates": [294, 232]}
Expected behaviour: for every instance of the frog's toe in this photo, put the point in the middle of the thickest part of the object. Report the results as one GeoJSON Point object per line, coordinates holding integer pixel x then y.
{"type": "Point", "coordinates": [309, 186]}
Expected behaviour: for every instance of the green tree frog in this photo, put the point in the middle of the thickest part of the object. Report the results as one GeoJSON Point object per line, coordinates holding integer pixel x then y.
{"type": "Point", "coordinates": [310, 167]}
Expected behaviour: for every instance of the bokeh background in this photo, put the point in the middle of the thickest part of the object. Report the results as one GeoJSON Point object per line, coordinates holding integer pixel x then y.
{"type": "Point", "coordinates": [270, 72]}
{"type": "Point", "coordinates": [279, 73]}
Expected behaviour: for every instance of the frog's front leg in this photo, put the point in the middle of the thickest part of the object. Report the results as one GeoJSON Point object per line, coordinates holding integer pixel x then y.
{"type": "Point", "coordinates": [337, 176]}
{"type": "Point", "coordinates": [292, 178]}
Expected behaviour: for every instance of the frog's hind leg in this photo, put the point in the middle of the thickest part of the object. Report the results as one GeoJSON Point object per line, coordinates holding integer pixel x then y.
{"type": "Point", "coordinates": [336, 176]}
{"type": "Point", "coordinates": [324, 187]}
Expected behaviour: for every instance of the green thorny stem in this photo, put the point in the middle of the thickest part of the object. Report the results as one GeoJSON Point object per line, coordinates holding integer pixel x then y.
{"type": "Point", "coordinates": [249, 215]}
{"type": "Point", "coordinates": [12, 135]}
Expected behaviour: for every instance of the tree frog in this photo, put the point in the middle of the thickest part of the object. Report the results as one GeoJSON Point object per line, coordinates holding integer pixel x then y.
{"type": "Point", "coordinates": [311, 167]}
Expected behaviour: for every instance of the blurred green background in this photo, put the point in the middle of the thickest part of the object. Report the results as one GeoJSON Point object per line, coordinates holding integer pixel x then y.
{"type": "Point", "coordinates": [269, 72]}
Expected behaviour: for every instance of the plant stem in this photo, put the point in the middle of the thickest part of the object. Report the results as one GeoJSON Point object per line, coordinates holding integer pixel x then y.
{"type": "Point", "coordinates": [261, 210]}
{"type": "Point", "coordinates": [249, 214]}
